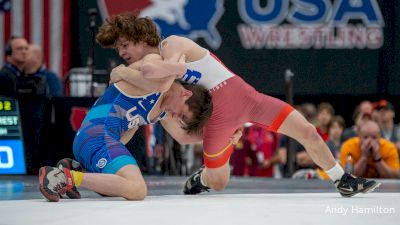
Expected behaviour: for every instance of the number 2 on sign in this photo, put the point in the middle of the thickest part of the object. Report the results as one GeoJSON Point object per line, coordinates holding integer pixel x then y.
{"type": "Point", "coordinates": [5, 105]}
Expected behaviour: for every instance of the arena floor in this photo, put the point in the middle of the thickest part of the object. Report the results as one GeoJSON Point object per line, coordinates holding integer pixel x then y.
{"type": "Point", "coordinates": [245, 201]}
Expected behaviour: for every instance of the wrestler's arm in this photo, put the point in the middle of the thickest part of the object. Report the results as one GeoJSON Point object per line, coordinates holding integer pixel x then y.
{"type": "Point", "coordinates": [174, 50]}
{"type": "Point", "coordinates": [158, 69]}
{"type": "Point", "coordinates": [134, 76]}
{"type": "Point", "coordinates": [154, 69]}
{"type": "Point", "coordinates": [128, 135]}
{"type": "Point", "coordinates": [173, 127]}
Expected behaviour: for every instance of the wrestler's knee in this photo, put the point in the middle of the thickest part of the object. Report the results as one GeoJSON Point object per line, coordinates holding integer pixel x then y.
{"type": "Point", "coordinates": [136, 191]}
{"type": "Point", "coordinates": [310, 133]}
{"type": "Point", "coordinates": [220, 183]}
{"type": "Point", "coordinates": [217, 179]}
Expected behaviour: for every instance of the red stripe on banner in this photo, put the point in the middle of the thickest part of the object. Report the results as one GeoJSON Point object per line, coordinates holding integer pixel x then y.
{"type": "Point", "coordinates": [66, 42]}
{"type": "Point", "coordinates": [27, 20]}
{"type": "Point", "coordinates": [7, 27]}
{"type": "Point", "coordinates": [46, 31]}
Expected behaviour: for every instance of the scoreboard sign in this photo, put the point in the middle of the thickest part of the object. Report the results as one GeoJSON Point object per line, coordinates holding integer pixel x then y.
{"type": "Point", "coordinates": [12, 160]}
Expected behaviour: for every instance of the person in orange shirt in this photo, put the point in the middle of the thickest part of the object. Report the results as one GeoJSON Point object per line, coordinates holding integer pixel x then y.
{"type": "Point", "coordinates": [372, 156]}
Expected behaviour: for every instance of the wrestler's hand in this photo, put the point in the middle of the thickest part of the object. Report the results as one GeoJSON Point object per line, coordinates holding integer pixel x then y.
{"type": "Point", "coordinates": [234, 139]}
{"type": "Point", "coordinates": [116, 74]}
{"type": "Point", "coordinates": [182, 60]}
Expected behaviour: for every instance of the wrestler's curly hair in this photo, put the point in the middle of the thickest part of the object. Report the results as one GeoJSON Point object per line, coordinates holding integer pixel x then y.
{"type": "Point", "coordinates": [130, 26]}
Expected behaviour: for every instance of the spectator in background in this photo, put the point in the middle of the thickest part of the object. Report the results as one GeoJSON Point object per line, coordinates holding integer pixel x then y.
{"type": "Point", "coordinates": [335, 130]}
{"type": "Point", "coordinates": [385, 118]}
{"type": "Point", "coordinates": [309, 111]}
{"type": "Point", "coordinates": [371, 155]}
{"type": "Point", "coordinates": [366, 107]}
{"type": "Point", "coordinates": [253, 153]}
{"type": "Point", "coordinates": [266, 148]}
{"type": "Point", "coordinates": [244, 156]}
{"type": "Point", "coordinates": [34, 66]}
{"type": "Point", "coordinates": [361, 114]}
{"type": "Point", "coordinates": [30, 91]}
{"type": "Point", "coordinates": [325, 113]}
{"type": "Point", "coordinates": [16, 53]}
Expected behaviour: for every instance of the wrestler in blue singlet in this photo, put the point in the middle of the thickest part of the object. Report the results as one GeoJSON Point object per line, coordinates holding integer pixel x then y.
{"type": "Point", "coordinates": [97, 144]}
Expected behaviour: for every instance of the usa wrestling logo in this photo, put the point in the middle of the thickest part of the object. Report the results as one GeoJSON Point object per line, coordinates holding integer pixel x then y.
{"type": "Point", "coordinates": [190, 18]}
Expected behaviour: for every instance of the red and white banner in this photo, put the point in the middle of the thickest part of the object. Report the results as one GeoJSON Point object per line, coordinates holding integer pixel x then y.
{"type": "Point", "coordinates": [42, 22]}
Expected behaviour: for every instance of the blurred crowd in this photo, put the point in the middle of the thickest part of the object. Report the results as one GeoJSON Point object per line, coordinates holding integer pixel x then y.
{"type": "Point", "coordinates": [369, 147]}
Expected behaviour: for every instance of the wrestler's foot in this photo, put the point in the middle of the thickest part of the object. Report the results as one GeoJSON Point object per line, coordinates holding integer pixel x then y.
{"type": "Point", "coordinates": [350, 185]}
{"type": "Point", "coordinates": [54, 182]}
{"type": "Point", "coordinates": [71, 165]}
{"type": "Point", "coordinates": [193, 185]}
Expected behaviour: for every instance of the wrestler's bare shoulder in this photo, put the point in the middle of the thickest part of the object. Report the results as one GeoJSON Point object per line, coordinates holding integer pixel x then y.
{"type": "Point", "coordinates": [191, 49]}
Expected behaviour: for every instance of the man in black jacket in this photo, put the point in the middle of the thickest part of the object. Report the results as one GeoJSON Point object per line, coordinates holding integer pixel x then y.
{"type": "Point", "coordinates": [15, 51]}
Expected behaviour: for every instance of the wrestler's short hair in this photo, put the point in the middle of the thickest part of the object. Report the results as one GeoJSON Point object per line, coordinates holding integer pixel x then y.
{"type": "Point", "coordinates": [130, 26]}
{"type": "Point", "coordinates": [200, 104]}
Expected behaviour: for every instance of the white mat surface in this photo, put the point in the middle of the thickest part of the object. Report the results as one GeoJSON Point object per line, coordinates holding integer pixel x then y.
{"type": "Point", "coordinates": [244, 209]}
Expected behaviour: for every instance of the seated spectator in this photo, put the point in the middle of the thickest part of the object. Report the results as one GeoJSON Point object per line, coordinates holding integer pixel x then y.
{"type": "Point", "coordinates": [385, 118]}
{"type": "Point", "coordinates": [372, 156]}
{"type": "Point", "coordinates": [34, 66]}
{"type": "Point", "coordinates": [335, 130]}
{"type": "Point", "coordinates": [361, 114]}
{"type": "Point", "coordinates": [325, 113]}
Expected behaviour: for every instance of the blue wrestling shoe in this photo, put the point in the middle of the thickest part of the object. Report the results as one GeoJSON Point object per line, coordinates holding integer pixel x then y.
{"type": "Point", "coordinates": [193, 185]}
{"type": "Point", "coordinates": [70, 164]}
{"type": "Point", "coordinates": [350, 185]}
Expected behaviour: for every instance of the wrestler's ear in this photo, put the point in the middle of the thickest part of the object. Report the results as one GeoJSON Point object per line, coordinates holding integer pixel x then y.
{"type": "Point", "coordinates": [186, 93]}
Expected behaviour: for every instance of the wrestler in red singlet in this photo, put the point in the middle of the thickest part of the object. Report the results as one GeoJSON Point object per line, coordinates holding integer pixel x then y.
{"type": "Point", "coordinates": [235, 102]}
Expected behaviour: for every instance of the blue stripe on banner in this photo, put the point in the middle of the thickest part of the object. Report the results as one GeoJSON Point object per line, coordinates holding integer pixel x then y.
{"type": "Point", "coordinates": [98, 112]}
{"type": "Point", "coordinates": [119, 162]}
